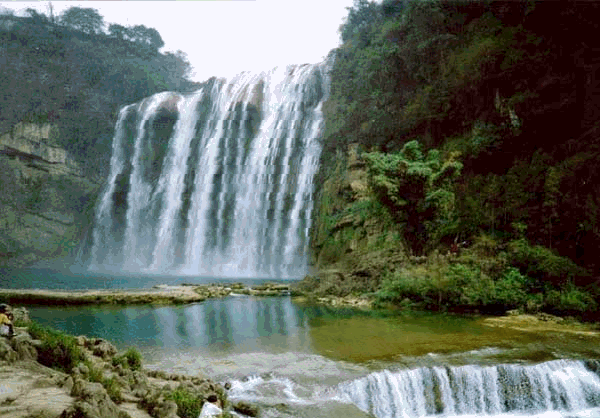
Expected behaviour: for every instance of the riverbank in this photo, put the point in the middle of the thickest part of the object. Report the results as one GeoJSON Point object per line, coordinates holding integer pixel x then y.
{"type": "Point", "coordinates": [158, 295]}
{"type": "Point", "coordinates": [45, 373]}
{"type": "Point", "coordinates": [516, 320]}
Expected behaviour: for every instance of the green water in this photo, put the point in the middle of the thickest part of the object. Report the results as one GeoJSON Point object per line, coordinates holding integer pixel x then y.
{"type": "Point", "coordinates": [277, 325]}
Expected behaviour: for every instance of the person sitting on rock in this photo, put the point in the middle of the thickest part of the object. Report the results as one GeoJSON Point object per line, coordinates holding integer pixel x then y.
{"type": "Point", "coordinates": [6, 326]}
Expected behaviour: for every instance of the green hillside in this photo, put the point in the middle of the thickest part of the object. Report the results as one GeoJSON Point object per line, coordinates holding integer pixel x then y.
{"type": "Point", "coordinates": [465, 137]}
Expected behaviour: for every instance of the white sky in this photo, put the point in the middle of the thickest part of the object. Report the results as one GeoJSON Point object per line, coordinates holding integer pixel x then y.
{"type": "Point", "coordinates": [223, 38]}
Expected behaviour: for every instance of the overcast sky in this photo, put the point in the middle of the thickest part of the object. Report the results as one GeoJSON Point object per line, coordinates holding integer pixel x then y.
{"type": "Point", "coordinates": [223, 38]}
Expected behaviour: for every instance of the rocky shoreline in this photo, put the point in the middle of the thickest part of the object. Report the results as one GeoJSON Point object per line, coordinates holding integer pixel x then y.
{"type": "Point", "coordinates": [158, 295]}
{"type": "Point", "coordinates": [104, 384]}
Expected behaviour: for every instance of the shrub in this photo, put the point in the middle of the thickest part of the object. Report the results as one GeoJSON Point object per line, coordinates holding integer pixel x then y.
{"type": "Point", "coordinates": [94, 374]}
{"type": "Point", "coordinates": [131, 359]}
{"type": "Point", "coordinates": [188, 403]}
{"type": "Point", "coordinates": [542, 264]}
{"type": "Point", "coordinates": [511, 288]}
{"type": "Point", "coordinates": [571, 300]}
{"type": "Point", "coordinates": [418, 189]}
{"type": "Point", "coordinates": [473, 288]}
{"type": "Point", "coordinates": [113, 389]}
{"type": "Point", "coordinates": [58, 350]}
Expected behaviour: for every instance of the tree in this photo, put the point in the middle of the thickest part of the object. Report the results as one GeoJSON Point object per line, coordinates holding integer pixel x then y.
{"type": "Point", "coordinates": [84, 19]}
{"type": "Point", "coordinates": [36, 16]}
{"type": "Point", "coordinates": [360, 16]}
{"type": "Point", "coordinates": [117, 31]}
{"type": "Point", "coordinates": [417, 189]}
{"type": "Point", "coordinates": [176, 65]}
{"type": "Point", "coordinates": [147, 38]}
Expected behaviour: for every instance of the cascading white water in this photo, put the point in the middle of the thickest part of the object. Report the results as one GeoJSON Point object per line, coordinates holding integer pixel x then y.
{"type": "Point", "coordinates": [218, 182]}
{"type": "Point", "coordinates": [566, 387]}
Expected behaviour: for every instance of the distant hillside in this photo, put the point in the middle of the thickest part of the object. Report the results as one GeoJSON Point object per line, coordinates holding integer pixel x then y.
{"type": "Point", "coordinates": [63, 81]}
{"type": "Point", "coordinates": [76, 73]}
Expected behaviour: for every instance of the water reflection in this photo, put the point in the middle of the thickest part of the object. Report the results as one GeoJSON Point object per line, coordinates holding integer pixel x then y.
{"type": "Point", "coordinates": [236, 325]}
{"type": "Point", "coordinates": [217, 325]}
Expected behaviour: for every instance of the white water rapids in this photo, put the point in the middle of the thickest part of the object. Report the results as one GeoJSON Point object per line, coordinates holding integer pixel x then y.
{"type": "Point", "coordinates": [558, 388]}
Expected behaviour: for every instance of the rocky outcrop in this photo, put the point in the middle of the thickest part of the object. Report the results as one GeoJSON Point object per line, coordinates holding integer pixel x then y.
{"type": "Point", "coordinates": [159, 295]}
{"type": "Point", "coordinates": [37, 142]}
{"type": "Point", "coordinates": [102, 386]}
{"type": "Point", "coordinates": [352, 242]}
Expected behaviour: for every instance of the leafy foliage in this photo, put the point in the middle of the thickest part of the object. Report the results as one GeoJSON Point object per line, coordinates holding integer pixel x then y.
{"type": "Point", "coordinates": [86, 20]}
{"type": "Point", "coordinates": [490, 82]}
{"type": "Point", "coordinates": [130, 359]}
{"type": "Point", "coordinates": [417, 189]}
{"type": "Point", "coordinates": [189, 404]}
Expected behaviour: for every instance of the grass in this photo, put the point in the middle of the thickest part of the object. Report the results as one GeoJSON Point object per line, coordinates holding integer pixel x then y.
{"type": "Point", "coordinates": [189, 405]}
{"type": "Point", "coordinates": [131, 359]}
{"type": "Point", "coordinates": [58, 350]}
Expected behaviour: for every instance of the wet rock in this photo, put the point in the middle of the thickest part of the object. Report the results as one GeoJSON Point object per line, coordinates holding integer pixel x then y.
{"type": "Point", "coordinates": [246, 408]}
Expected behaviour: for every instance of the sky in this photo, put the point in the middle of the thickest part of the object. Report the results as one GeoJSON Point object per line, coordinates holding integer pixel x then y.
{"type": "Point", "coordinates": [223, 38]}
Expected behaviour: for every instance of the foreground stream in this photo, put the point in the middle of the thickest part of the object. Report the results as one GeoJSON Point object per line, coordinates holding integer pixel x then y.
{"type": "Point", "coordinates": [308, 361]}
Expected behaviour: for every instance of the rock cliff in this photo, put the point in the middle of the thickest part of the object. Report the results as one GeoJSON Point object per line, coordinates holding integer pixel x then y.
{"type": "Point", "coordinates": [46, 204]}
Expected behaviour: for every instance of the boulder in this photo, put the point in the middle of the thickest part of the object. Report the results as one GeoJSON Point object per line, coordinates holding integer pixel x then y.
{"type": "Point", "coordinates": [92, 402]}
{"type": "Point", "coordinates": [24, 346]}
{"type": "Point", "coordinates": [167, 409]}
{"type": "Point", "coordinates": [103, 349]}
{"type": "Point", "coordinates": [20, 315]}
{"type": "Point", "coordinates": [6, 351]}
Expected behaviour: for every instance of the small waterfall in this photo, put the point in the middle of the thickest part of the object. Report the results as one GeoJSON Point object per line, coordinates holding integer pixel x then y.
{"type": "Point", "coordinates": [563, 386]}
{"type": "Point", "coordinates": [218, 182]}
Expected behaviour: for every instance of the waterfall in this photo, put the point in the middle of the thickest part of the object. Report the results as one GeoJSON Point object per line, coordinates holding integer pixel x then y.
{"type": "Point", "coordinates": [562, 386]}
{"type": "Point", "coordinates": [218, 182]}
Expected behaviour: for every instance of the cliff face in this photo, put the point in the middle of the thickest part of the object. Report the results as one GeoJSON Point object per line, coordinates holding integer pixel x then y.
{"type": "Point", "coordinates": [46, 203]}
{"type": "Point", "coordinates": [354, 240]}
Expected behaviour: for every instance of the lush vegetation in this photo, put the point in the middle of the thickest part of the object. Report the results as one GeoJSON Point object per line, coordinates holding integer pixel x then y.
{"type": "Point", "coordinates": [189, 404]}
{"type": "Point", "coordinates": [130, 359]}
{"type": "Point", "coordinates": [476, 126]}
{"type": "Point", "coordinates": [57, 350]}
{"type": "Point", "coordinates": [75, 72]}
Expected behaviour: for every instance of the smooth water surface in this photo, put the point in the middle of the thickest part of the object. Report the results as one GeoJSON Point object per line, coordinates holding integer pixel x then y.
{"type": "Point", "coordinates": [43, 278]}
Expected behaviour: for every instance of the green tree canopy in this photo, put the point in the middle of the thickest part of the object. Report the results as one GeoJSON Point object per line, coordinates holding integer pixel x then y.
{"type": "Point", "coordinates": [418, 190]}
{"type": "Point", "coordinates": [87, 20]}
{"type": "Point", "coordinates": [146, 36]}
